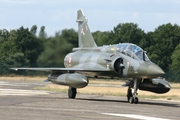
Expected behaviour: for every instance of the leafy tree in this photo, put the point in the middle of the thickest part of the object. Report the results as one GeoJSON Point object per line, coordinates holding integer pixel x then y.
{"type": "Point", "coordinates": [4, 34]}
{"type": "Point", "coordinates": [101, 38]}
{"type": "Point", "coordinates": [18, 48]}
{"type": "Point", "coordinates": [7, 45]}
{"type": "Point", "coordinates": [13, 60]}
{"type": "Point", "coordinates": [70, 35]}
{"type": "Point", "coordinates": [163, 42]}
{"type": "Point", "coordinates": [55, 50]}
{"type": "Point", "coordinates": [28, 44]}
{"type": "Point", "coordinates": [33, 29]}
{"type": "Point", "coordinates": [42, 33]}
{"type": "Point", "coordinates": [175, 66]}
{"type": "Point", "coordinates": [128, 33]}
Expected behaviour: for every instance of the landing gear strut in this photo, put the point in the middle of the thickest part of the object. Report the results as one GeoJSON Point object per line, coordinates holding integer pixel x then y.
{"type": "Point", "coordinates": [72, 92]}
{"type": "Point", "coordinates": [132, 92]}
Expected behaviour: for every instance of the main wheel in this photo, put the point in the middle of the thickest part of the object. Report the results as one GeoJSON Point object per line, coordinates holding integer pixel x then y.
{"type": "Point", "coordinates": [72, 92]}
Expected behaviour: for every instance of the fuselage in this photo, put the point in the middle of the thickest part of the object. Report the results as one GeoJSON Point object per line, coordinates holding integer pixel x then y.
{"type": "Point", "coordinates": [119, 60]}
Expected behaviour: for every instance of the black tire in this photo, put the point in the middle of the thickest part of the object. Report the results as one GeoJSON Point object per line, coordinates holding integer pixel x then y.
{"type": "Point", "coordinates": [72, 92]}
{"type": "Point", "coordinates": [136, 100]}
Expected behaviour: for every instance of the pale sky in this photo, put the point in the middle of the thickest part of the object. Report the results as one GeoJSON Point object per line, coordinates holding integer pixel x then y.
{"type": "Point", "coordinates": [102, 15]}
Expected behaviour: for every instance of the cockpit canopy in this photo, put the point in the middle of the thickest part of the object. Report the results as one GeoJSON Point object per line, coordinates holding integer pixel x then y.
{"type": "Point", "coordinates": [133, 51]}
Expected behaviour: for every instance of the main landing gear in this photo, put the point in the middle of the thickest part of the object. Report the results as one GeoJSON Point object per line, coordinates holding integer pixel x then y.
{"type": "Point", "coordinates": [132, 91]}
{"type": "Point", "coordinates": [72, 92]}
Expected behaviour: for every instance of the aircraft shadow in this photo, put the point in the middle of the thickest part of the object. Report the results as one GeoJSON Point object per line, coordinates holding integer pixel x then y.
{"type": "Point", "coordinates": [101, 100]}
{"type": "Point", "coordinates": [141, 102]}
{"type": "Point", "coordinates": [158, 103]}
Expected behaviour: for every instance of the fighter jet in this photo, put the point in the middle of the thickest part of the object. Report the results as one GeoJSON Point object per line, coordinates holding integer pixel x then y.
{"type": "Point", "coordinates": [123, 60]}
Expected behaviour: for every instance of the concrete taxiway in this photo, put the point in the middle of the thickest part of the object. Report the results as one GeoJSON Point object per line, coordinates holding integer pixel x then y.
{"type": "Point", "coordinates": [19, 101]}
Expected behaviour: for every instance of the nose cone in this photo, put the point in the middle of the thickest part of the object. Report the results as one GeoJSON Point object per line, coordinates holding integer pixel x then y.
{"type": "Point", "coordinates": [154, 70]}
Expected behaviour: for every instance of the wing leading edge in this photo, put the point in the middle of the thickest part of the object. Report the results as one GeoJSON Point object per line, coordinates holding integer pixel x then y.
{"type": "Point", "coordinates": [61, 69]}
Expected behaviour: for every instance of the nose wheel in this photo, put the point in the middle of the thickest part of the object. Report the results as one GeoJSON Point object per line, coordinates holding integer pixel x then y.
{"type": "Point", "coordinates": [133, 100]}
{"type": "Point", "coordinates": [132, 92]}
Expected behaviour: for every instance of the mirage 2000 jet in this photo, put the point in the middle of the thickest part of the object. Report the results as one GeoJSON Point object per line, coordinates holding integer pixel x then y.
{"type": "Point", "coordinates": [123, 60]}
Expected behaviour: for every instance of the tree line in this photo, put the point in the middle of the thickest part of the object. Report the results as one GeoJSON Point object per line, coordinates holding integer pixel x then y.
{"type": "Point", "coordinates": [25, 47]}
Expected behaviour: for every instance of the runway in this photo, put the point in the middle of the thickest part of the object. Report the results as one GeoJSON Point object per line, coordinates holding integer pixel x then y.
{"type": "Point", "coordinates": [19, 101]}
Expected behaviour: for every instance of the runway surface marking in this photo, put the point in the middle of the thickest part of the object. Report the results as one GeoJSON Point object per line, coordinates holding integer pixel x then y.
{"type": "Point", "coordinates": [2, 83]}
{"type": "Point", "coordinates": [139, 117]}
{"type": "Point", "coordinates": [20, 92]}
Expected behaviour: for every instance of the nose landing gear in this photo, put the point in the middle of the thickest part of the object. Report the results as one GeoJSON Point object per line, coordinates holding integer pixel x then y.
{"type": "Point", "coordinates": [132, 91]}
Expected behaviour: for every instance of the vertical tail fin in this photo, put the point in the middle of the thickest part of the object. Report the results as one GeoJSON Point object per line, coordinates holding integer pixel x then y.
{"type": "Point", "coordinates": [85, 37]}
